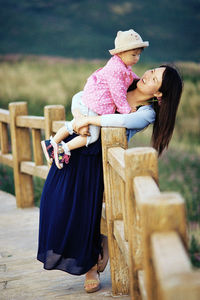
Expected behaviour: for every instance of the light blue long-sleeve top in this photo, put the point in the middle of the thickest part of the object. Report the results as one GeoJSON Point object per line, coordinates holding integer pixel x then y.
{"type": "Point", "coordinates": [134, 122]}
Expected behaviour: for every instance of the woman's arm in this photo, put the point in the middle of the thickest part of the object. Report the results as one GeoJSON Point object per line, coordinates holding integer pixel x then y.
{"type": "Point", "coordinates": [138, 120]}
{"type": "Point", "coordinates": [83, 121]}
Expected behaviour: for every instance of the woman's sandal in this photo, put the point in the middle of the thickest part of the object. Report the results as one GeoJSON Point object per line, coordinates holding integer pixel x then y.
{"type": "Point", "coordinates": [92, 285]}
{"type": "Point", "coordinates": [102, 262]}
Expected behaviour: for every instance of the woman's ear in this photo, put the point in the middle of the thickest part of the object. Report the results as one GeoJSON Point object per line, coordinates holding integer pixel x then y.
{"type": "Point", "coordinates": [158, 94]}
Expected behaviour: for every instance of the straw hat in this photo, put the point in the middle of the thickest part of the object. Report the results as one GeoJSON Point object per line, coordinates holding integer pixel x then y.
{"type": "Point", "coordinates": [128, 40]}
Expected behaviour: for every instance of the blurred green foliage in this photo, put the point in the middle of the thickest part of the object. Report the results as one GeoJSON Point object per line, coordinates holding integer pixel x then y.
{"type": "Point", "coordinates": [87, 28]}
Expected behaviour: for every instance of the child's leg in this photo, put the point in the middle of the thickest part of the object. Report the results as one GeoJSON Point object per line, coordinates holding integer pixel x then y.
{"type": "Point", "coordinates": [61, 134]}
{"type": "Point", "coordinates": [62, 151]}
{"type": "Point", "coordinates": [77, 142]}
{"type": "Point", "coordinates": [48, 146]}
{"type": "Point", "coordinates": [81, 141]}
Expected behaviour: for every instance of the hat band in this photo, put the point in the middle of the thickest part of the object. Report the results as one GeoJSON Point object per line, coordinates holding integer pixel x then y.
{"type": "Point", "coordinates": [129, 47]}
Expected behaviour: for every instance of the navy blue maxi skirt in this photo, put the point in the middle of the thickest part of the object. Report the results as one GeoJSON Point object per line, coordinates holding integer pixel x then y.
{"type": "Point", "coordinates": [70, 213]}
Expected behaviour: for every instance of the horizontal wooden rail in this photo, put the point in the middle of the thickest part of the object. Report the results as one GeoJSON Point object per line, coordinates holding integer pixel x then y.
{"type": "Point", "coordinates": [17, 121]}
{"type": "Point", "coordinates": [145, 186]}
{"type": "Point", "coordinates": [6, 159]}
{"type": "Point", "coordinates": [30, 122]}
{"type": "Point", "coordinates": [30, 168]}
{"type": "Point", "coordinates": [4, 116]}
{"type": "Point", "coordinates": [116, 160]}
{"type": "Point", "coordinates": [176, 278]}
{"type": "Point", "coordinates": [142, 286]}
{"type": "Point", "coordinates": [160, 212]}
{"type": "Point", "coordinates": [57, 125]}
{"type": "Point", "coordinates": [120, 238]}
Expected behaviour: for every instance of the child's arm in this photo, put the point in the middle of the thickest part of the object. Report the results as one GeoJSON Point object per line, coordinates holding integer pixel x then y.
{"type": "Point", "coordinates": [118, 84]}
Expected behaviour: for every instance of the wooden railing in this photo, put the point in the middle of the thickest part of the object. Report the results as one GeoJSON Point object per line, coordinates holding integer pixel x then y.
{"type": "Point", "coordinates": [146, 229]}
{"type": "Point", "coordinates": [19, 158]}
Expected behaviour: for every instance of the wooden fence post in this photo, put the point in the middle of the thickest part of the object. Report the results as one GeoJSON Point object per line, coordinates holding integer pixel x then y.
{"type": "Point", "coordinates": [4, 138]}
{"type": "Point", "coordinates": [175, 276]}
{"type": "Point", "coordinates": [37, 149]}
{"type": "Point", "coordinates": [138, 162]}
{"type": "Point", "coordinates": [21, 149]}
{"type": "Point", "coordinates": [52, 113]}
{"type": "Point", "coordinates": [159, 213]}
{"type": "Point", "coordinates": [114, 137]}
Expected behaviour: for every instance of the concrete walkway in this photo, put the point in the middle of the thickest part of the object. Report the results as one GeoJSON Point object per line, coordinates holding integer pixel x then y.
{"type": "Point", "coordinates": [21, 275]}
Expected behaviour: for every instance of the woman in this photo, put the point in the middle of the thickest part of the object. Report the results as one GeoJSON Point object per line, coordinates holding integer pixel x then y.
{"type": "Point", "coordinates": [70, 209]}
{"type": "Point", "coordinates": [164, 84]}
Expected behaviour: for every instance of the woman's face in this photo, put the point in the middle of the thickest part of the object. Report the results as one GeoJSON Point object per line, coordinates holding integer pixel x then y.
{"type": "Point", "coordinates": [151, 81]}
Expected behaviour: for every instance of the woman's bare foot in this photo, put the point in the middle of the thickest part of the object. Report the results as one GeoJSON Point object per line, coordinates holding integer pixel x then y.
{"type": "Point", "coordinates": [92, 282]}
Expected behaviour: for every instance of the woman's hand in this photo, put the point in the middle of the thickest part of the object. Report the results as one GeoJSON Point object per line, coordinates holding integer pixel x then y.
{"type": "Point", "coordinates": [80, 125]}
{"type": "Point", "coordinates": [84, 131]}
{"type": "Point", "coordinates": [133, 108]}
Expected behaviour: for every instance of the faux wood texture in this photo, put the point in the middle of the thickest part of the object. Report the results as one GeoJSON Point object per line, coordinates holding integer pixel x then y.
{"type": "Point", "coordinates": [138, 161]}
{"type": "Point", "coordinates": [37, 149]}
{"type": "Point", "coordinates": [120, 238]}
{"type": "Point", "coordinates": [52, 113]}
{"type": "Point", "coordinates": [4, 116]}
{"type": "Point", "coordinates": [30, 122]}
{"type": "Point", "coordinates": [116, 160]}
{"type": "Point", "coordinates": [175, 277]}
{"type": "Point", "coordinates": [117, 193]}
{"type": "Point", "coordinates": [6, 159]}
{"type": "Point", "coordinates": [57, 125]}
{"type": "Point", "coordinates": [21, 149]}
{"type": "Point", "coordinates": [142, 285]}
{"type": "Point", "coordinates": [4, 138]}
{"type": "Point", "coordinates": [30, 168]}
{"type": "Point", "coordinates": [113, 137]}
{"type": "Point", "coordinates": [163, 212]}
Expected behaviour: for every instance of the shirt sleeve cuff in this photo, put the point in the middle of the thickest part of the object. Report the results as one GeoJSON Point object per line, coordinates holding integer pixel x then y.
{"type": "Point", "coordinates": [124, 110]}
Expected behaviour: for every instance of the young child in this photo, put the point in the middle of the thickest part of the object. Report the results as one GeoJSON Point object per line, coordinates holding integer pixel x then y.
{"type": "Point", "coordinates": [104, 93]}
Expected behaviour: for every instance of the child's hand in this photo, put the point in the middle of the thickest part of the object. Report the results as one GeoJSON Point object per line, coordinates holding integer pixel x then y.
{"type": "Point", "coordinates": [133, 109]}
{"type": "Point", "coordinates": [84, 131]}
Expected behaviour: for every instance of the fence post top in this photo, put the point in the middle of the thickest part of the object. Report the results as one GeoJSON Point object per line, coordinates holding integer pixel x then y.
{"type": "Point", "coordinates": [17, 103]}
{"type": "Point", "coordinates": [164, 199]}
{"type": "Point", "coordinates": [140, 151]}
{"type": "Point", "coordinates": [53, 106]}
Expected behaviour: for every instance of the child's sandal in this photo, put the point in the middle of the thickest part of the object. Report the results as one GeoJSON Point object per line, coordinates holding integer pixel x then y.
{"type": "Point", "coordinates": [48, 150]}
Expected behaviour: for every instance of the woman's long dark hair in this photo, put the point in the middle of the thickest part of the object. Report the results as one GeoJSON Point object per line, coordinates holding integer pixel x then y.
{"type": "Point", "coordinates": [171, 89]}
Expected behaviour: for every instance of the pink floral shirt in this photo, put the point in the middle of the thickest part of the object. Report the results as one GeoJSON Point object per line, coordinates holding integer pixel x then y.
{"type": "Point", "coordinates": [106, 89]}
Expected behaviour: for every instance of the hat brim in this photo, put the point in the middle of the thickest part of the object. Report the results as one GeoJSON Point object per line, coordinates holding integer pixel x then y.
{"type": "Point", "coordinates": [129, 47]}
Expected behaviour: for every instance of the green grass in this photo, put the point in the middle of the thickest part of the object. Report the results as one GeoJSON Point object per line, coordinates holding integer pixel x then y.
{"type": "Point", "coordinates": [7, 179]}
